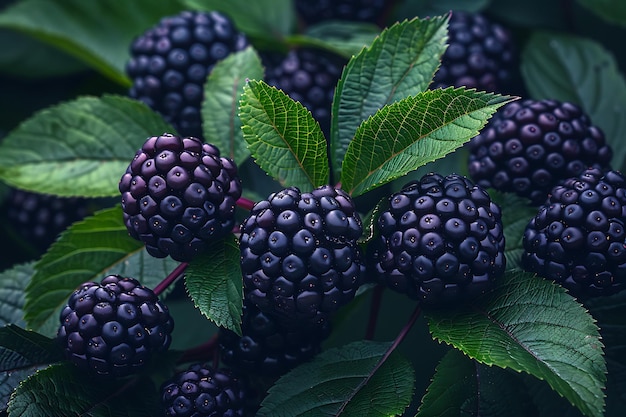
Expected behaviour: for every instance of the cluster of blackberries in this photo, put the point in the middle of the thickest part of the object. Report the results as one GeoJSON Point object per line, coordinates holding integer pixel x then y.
{"type": "Point", "coordinates": [312, 12]}
{"type": "Point", "coordinates": [178, 194]}
{"type": "Point", "coordinates": [170, 62]}
{"type": "Point", "coordinates": [440, 240]}
{"type": "Point", "coordinates": [112, 328]}
{"type": "Point", "coordinates": [530, 146]}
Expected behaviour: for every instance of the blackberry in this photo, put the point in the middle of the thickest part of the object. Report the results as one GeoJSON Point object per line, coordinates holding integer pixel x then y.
{"type": "Point", "coordinates": [268, 346]}
{"type": "Point", "coordinates": [178, 194]}
{"type": "Point", "coordinates": [530, 146]}
{"type": "Point", "coordinates": [202, 390]}
{"type": "Point", "coordinates": [169, 64]}
{"type": "Point", "coordinates": [307, 75]}
{"type": "Point", "coordinates": [299, 253]}
{"type": "Point", "coordinates": [439, 241]}
{"type": "Point", "coordinates": [113, 327]}
{"type": "Point", "coordinates": [352, 10]}
{"type": "Point", "coordinates": [578, 237]}
{"type": "Point", "coordinates": [481, 54]}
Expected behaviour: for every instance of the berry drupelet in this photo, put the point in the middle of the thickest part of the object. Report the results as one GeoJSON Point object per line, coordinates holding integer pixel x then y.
{"type": "Point", "coordinates": [578, 236]}
{"type": "Point", "coordinates": [530, 146]}
{"type": "Point", "coordinates": [170, 62]}
{"type": "Point", "coordinates": [439, 241]}
{"type": "Point", "coordinates": [178, 194]}
{"type": "Point", "coordinates": [299, 253]}
{"type": "Point", "coordinates": [113, 327]}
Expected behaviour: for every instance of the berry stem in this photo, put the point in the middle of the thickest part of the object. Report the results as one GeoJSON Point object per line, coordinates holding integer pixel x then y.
{"type": "Point", "coordinates": [173, 276]}
{"type": "Point", "coordinates": [245, 203]}
{"type": "Point", "coordinates": [201, 353]}
{"type": "Point", "coordinates": [374, 311]}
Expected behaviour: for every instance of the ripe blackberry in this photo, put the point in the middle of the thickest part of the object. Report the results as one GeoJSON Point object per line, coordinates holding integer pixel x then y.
{"type": "Point", "coordinates": [307, 75]}
{"type": "Point", "coordinates": [178, 194]}
{"type": "Point", "coordinates": [299, 253]}
{"type": "Point", "coordinates": [480, 54]}
{"type": "Point", "coordinates": [530, 146]}
{"type": "Point", "coordinates": [352, 10]}
{"type": "Point", "coordinates": [202, 390]}
{"type": "Point", "coordinates": [170, 62]}
{"type": "Point", "coordinates": [441, 240]}
{"type": "Point", "coordinates": [112, 328]}
{"type": "Point", "coordinates": [578, 236]}
{"type": "Point", "coordinates": [268, 346]}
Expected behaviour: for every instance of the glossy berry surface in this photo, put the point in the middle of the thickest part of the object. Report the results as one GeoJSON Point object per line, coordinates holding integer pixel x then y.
{"type": "Point", "coordinates": [178, 194]}
{"type": "Point", "coordinates": [169, 64]}
{"type": "Point", "coordinates": [113, 327]}
{"type": "Point", "coordinates": [578, 236]}
{"type": "Point", "coordinates": [530, 146]}
{"type": "Point", "coordinates": [269, 346]}
{"type": "Point", "coordinates": [440, 240]}
{"type": "Point", "coordinates": [203, 391]}
{"type": "Point", "coordinates": [299, 253]}
{"type": "Point", "coordinates": [481, 54]}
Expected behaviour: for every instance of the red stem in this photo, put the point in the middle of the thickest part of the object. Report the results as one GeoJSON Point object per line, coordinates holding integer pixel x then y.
{"type": "Point", "coordinates": [173, 276]}
{"type": "Point", "coordinates": [245, 203]}
{"type": "Point", "coordinates": [201, 353]}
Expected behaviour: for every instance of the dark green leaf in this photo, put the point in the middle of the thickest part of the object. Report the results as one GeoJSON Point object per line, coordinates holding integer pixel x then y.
{"type": "Point", "coordinates": [342, 37]}
{"type": "Point", "coordinates": [613, 11]}
{"type": "Point", "coordinates": [63, 390]}
{"type": "Point", "coordinates": [344, 381]}
{"type": "Point", "coordinates": [215, 284]}
{"type": "Point", "coordinates": [464, 387]}
{"type": "Point", "coordinates": [13, 282]}
{"type": "Point", "coordinates": [423, 8]}
{"type": "Point", "coordinates": [220, 110]}
{"type": "Point", "coordinates": [98, 32]}
{"type": "Point", "coordinates": [518, 13]}
{"type": "Point", "coordinates": [532, 325]}
{"type": "Point", "coordinates": [78, 148]}
{"type": "Point", "coordinates": [579, 70]}
{"type": "Point", "coordinates": [409, 133]}
{"type": "Point", "coordinates": [87, 251]}
{"type": "Point", "coordinates": [399, 63]}
{"type": "Point", "coordinates": [283, 137]}
{"type": "Point", "coordinates": [260, 18]}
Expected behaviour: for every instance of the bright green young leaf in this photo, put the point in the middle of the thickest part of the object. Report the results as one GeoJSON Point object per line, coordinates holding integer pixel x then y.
{"type": "Point", "coordinates": [613, 11]}
{"type": "Point", "coordinates": [581, 71]}
{"type": "Point", "coordinates": [78, 148]}
{"type": "Point", "coordinates": [22, 353]}
{"type": "Point", "coordinates": [464, 387]}
{"type": "Point", "coordinates": [344, 381]}
{"type": "Point", "coordinates": [264, 19]}
{"type": "Point", "coordinates": [532, 325]}
{"type": "Point", "coordinates": [63, 390]}
{"type": "Point", "coordinates": [215, 285]}
{"type": "Point", "coordinates": [399, 63]}
{"type": "Point", "coordinates": [12, 285]}
{"type": "Point", "coordinates": [283, 137]}
{"type": "Point", "coordinates": [98, 32]}
{"type": "Point", "coordinates": [87, 251]}
{"type": "Point", "coordinates": [342, 37]}
{"type": "Point", "coordinates": [409, 133]}
{"type": "Point", "coordinates": [220, 110]}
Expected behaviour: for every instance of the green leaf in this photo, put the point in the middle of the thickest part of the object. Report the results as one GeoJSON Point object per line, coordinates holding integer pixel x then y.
{"type": "Point", "coordinates": [78, 148]}
{"type": "Point", "coordinates": [344, 381]}
{"type": "Point", "coordinates": [261, 18]}
{"type": "Point", "coordinates": [215, 285]}
{"type": "Point", "coordinates": [98, 32]}
{"type": "Point", "coordinates": [399, 63]}
{"type": "Point", "coordinates": [613, 11]}
{"type": "Point", "coordinates": [22, 353]}
{"type": "Point", "coordinates": [283, 137]}
{"type": "Point", "coordinates": [12, 285]}
{"type": "Point", "coordinates": [579, 70]}
{"type": "Point", "coordinates": [516, 213]}
{"type": "Point", "coordinates": [341, 37]}
{"type": "Point", "coordinates": [87, 251]}
{"type": "Point", "coordinates": [532, 325]}
{"type": "Point", "coordinates": [407, 134]}
{"type": "Point", "coordinates": [411, 8]}
{"type": "Point", "coordinates": [220, 110]}
{"type": "Point", "coordinates": [63, 390]}
{"type": "Point", "coordinates": [464, 387]}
